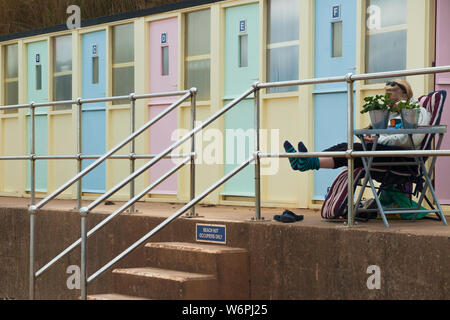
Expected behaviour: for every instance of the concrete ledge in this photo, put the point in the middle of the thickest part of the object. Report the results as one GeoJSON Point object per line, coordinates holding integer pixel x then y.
{"type": "Point", "coordinates": [311, 259]}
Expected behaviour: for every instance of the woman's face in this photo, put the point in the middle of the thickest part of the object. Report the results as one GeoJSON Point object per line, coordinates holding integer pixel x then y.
{"type": "Point", "coordinates": [396, 92]}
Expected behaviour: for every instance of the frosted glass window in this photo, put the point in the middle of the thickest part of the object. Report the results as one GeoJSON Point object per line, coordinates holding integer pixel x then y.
{"type": "Point", "coordinates": [385, 47]}
{"type": "Point", "coordinates": [95, 70]}
{"type": "Point", "coordinates": [165, 60]}
{"type": "Point", "coordinates": [387, 12]}
{"type": "Point", "coordinates": [12, 61]}
{"type": "Point", "coordinates": [11, 87]}
{"type": "Point", "coordinates": [283, 66]}
{"type": "Point", "coordinates": [11, 93]}
{"type": "Point", "coordinates": [63, 54]}
{"type": "Point", "coordinates": [123, 62]}
{"type": "Point", "coordinates": [198, 27]}
{"type": "Point", "coordinates": [197, 52]}
{"type": "Point", "coordinates": [198, 75]}
{"type": "Point", "coordinates": [283, 20]}
{"type": "Point", "coordinates": [62, 90]}
{"type": "Point", "coordinates": [337, 39]}
{"type": "Point", "coordinates": [38, 77]}
{"type": "Point", "coordinates": [387, 52]}
{"type": "Point", "coordinates": [123, 43]}
{"type": "Point", "coordinates": [123, 83]}
{"type": "Point", "coordinates": [243, 50]}
{"type": "Point", "coordinates": [62, 68]}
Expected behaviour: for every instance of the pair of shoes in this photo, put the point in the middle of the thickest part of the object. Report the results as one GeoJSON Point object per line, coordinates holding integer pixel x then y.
{"type": "Point", "coordinates": [288, 217]}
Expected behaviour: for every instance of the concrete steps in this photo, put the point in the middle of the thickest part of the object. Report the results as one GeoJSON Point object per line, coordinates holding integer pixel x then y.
{"type": "Point", "coordinates": [184, 271]}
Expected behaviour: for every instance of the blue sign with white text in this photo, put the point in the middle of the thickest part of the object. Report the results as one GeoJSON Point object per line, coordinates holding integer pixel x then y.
{"type": "Point", "coordinates": [243, 26]}
{"type": "Point", "coordinates": [211, 233]}
{"type": "Point", "coordinates": [163, 38]}
{"type": "Point", "coordinates": [336, 12]}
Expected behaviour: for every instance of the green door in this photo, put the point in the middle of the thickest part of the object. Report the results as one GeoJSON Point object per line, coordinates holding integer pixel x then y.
{"type": "Point", "coordinates": [37, 90]}
{"type": "Point", "coordinates": [241, 71]}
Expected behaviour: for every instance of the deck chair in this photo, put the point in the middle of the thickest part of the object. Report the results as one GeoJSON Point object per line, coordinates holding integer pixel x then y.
{"type": "Point", "coordinates": [417, 180]}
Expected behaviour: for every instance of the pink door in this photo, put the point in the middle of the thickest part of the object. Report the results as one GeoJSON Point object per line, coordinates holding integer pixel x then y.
{"type": "Point", "coordinates": [163, 78]}
{"type": "Point", "coordinates": [443, 83]}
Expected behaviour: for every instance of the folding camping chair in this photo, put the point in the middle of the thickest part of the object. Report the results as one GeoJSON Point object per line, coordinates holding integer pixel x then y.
{"type": "Point", "coordinates": [418, 175]}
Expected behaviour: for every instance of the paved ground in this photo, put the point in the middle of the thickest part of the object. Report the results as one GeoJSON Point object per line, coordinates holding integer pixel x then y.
{"type": "Point", "coordinates": [245, 214]}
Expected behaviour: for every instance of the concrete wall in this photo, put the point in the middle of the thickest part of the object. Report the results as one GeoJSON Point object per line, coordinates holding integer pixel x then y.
{"type": "Point", "coordinates": [286, 261]}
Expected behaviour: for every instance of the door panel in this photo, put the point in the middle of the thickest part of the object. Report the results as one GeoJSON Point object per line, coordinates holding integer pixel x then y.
{"type": "Point", "coordinates": [241, 71]}
{"type": "Point", "coordinates": [443, 83]}
{"type": "Point", "coordinates": [163, 78]}
{"type": "Point", "coordinates": [37, 90]}
{"type": "Point", "coordinates": [93, 114]}
{"type": "Point", "coordinates": [330, 100]}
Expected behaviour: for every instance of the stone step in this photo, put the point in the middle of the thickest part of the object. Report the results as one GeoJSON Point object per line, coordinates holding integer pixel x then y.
{"type": "Point", "coordinates": [191, 257]}
{"type": "Point", "coordinates": [113, 296]}
{"type": "Point", "coordinates": [164, 284]}
{"type": "Point", "coordinates": [229, 265]}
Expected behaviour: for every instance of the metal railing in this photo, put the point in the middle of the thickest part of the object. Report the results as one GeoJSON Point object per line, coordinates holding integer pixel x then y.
{"type": "Point", "coordinates": [350, 154]}
{"type": "Point", "coordinates": [100, 159]}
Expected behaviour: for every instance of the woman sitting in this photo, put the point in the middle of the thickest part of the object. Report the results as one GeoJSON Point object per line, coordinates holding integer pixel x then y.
{"type": "Point", "coordinates": [400, 90]}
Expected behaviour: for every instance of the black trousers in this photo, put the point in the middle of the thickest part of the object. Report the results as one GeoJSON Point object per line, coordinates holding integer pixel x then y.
{"type": "Point", "coordinates": [342, 162]}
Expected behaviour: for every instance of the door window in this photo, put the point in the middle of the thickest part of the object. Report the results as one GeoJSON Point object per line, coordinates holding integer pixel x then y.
{"type": "Point", "coordinates": [283, 42]}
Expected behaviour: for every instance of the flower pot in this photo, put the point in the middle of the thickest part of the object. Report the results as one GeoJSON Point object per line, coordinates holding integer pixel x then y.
{"type": "Point", "coordinates": [410, 118]}
{"type": "Point", "coordinates": [379, 118]}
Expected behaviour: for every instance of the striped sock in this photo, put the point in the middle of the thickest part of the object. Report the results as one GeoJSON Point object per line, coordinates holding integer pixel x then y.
{"type": "Point", "coordinates": [290, 149]}
{"type": "Point", "coordinates": [305, 164]}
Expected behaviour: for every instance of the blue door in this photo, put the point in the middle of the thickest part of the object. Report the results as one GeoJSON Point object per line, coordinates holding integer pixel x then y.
{"type": "Point", "coordinates": [93, 114]}
{"type": "Point", "coordinates": [335, 47]}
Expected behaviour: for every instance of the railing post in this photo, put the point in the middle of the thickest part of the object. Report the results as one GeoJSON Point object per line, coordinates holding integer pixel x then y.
{"type": "Point", "coordinates": [31, 283]}
{"type": "Point", "coordinates": [192, 213]}
{"type": "Point", "coordinates": [132, 148]}
{"type": "Point", "coordinates": [350, 165]}
{"type": "Point", "coordinates": [79, 149]}
{"type": "Point", "coordinates": [32, 195]}
{"type": "Point", "coordinates": [257, 150]}
{"type": "Point", "coordinates": [83, 269]}
{"type": "Point", "coordinates": [32, 154]}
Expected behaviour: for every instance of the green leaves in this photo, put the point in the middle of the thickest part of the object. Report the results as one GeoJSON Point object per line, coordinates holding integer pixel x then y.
{"type": "Point", "coordinates": [408, 105]}
{"type": "Point", "coordinates": [379, 102]}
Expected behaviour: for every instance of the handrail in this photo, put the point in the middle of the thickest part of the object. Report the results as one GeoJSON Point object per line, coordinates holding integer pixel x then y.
{"type": "Point", "coordinates": [119, 146]}
{"type": "Point", "coordinates": [133, 97]}
{"type": "Point", "coordinates": [350, 154]}
{"type": "Point", "coordinates": [85, 210]}
{"type": "Point", "coordinates": [112, 215]}
{"type": "Point", "coordinates": [163, 224]}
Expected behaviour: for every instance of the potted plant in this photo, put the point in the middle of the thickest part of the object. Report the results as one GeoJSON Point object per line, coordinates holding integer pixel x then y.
{"type": "Point", "coordinates": [409, 112]}
{"type": "Point", "coordinates": [378, 108]}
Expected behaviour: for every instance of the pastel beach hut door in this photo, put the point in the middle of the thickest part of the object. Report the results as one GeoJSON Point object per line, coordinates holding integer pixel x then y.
{"type": "Point", "coordinates": [37, 87]}
{"type": "Point", "coordinates": [335, 55]}
{"type": "Point", "coordinates": [443, 83]}
{"type": "Point", "coordinates": [163, 78]}
{"type": "Point", "coordinates": [93, 114]}
{"type": "Point", "coordinates": [241, 71]}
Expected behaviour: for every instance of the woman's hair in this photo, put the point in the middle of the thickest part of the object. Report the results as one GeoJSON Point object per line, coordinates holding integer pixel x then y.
{"type": "Point", "coordinates": [403, 85]}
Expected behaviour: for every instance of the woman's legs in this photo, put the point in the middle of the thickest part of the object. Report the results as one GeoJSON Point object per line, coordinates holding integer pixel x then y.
{"type": "Point", "coordinates": [305, 164]}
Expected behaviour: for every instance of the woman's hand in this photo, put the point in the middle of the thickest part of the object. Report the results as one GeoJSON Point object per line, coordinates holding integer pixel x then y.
{"type": "Point", "coordinates": [369, 139]}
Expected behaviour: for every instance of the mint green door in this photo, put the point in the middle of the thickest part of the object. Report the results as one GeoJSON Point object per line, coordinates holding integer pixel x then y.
{"type": "Point", "coordinates": [37, 90]}
{"type": "Point", "coordinates": [241, 71]}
